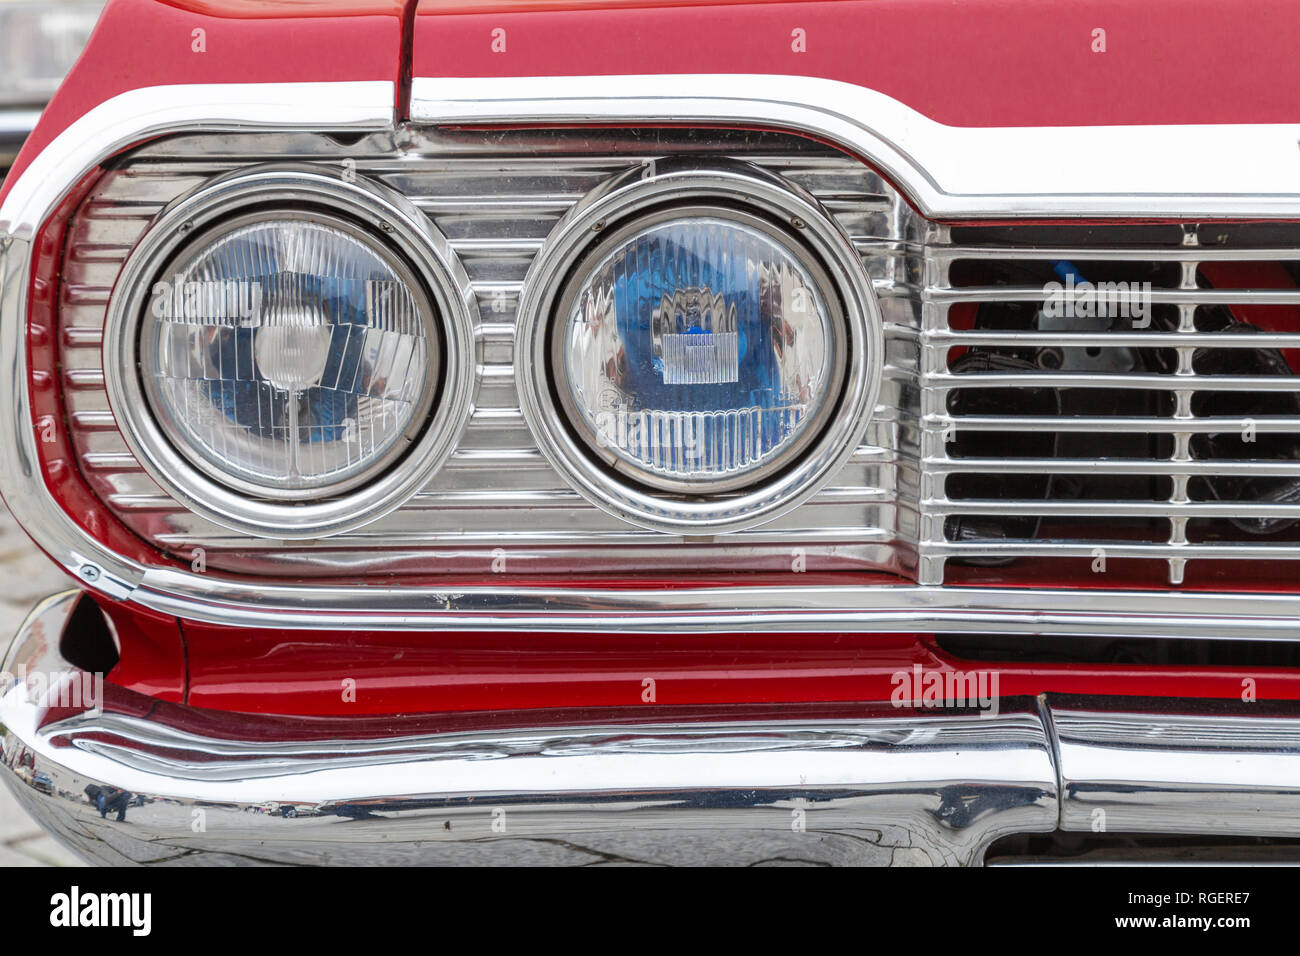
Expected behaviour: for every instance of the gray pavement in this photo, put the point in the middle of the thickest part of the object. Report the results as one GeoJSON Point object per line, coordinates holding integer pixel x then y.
{"type": "Point", "coordinates": [26, 576]}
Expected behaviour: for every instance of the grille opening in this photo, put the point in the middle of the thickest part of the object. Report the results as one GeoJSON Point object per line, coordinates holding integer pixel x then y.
{"type": "Point", "coordinates": [1080, 573]}
{"type": "Point", "coordinates": [1275, 531]}
{"type": "Point", "coordinates": [1020, 402]}
{"type": "Point", "coordinates": [974, 486]}
{"type": "Point", "coordinates": [1268, 316]}
{"type": "Point", "coordinates": [974, 273]}
{"type": "Point", "coordinates": [1246, 273]}
{"type": "Point", "coordinates": [1097, 359]}
{"type": "Point", "coordinates": [1093, 848]}
{"type": "Point", "coordinates": [1155, 651]}
{"type": "Point", "coordinates": [1050, 443]}
{"type": "Point", "coordinates": [1029, 524]}
{"type": "Point", "coordinates": [1245, 235]}
{"type": "Point", "coordinates": [1153, 482]}
{"type": "Point", "coordinates": [1239, 355]}
{"type": "Point", "coordinates": [1072, 235]}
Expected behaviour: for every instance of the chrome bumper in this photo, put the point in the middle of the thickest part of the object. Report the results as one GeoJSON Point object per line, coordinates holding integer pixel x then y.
{"type": "Point", "coordinates": [863, 785]}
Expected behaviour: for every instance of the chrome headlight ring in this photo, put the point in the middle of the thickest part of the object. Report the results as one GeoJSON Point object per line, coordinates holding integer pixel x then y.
{"type": "Point", "coordinates": [656, 190]}
{"type": "Point", "coordinates": [388, 219]}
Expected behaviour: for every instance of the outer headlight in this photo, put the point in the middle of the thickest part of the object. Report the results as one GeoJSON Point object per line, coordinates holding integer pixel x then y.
{"type": "Point", "coordinates": [698, 349]}
{"type": "Point", "coordinates": [289, 353]}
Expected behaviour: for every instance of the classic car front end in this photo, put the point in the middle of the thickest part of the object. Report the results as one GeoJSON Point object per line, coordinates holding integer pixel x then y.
{"type": "Point", "coordinates": [858, 431]}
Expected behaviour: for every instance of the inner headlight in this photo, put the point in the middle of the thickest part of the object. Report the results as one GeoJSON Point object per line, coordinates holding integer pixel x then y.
{"type": "Point", "coordinates": [700, 350]}
{"type": "Point", "coordinates": [289, 353]}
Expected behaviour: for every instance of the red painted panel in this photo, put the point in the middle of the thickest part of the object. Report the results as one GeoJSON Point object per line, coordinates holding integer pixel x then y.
{"type": "Point", "coordinates": [372, 673]}
{"type": "Point", "coordinates": [961, 62]}
{"type": "Point", "coordinates": [153, 651]}
{"type": "Point", "coordinates": [140, 43]}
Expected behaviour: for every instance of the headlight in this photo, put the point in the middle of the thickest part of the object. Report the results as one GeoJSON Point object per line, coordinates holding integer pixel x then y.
{"type": "Point", "coordinates": [291, 353]}
{"type": "Point", "coordinates": [698, 349]}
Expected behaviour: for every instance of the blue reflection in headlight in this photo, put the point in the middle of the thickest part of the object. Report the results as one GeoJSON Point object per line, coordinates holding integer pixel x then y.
{"type": "Point", "coordinates": [291, 352]}
{"type": "Point", "coordinates": [246, 397]}
{"type": "Point", "coordinates": [702, 344]}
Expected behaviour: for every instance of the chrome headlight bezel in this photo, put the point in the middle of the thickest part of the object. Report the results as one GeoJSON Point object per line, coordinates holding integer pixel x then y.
{"type": "Point", "coordinates": [624, 202]}
{"type": "Point", "coordinates": [388, 219]}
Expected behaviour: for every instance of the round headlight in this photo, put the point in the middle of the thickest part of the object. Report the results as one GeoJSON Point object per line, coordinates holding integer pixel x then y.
{"type": "Point", "coordinates": [291, 353]}
{"type": "Point", "coordinates": [700, 351]}
{"type": "Point", "coordinates": [698, 348]}
{"type": "Point", "coordinates": [287, 353]}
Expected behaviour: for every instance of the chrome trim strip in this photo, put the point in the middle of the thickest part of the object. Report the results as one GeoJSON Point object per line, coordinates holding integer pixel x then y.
{"type": "Point", "coordinates": [1201, 773]}
{"type": "Point", "coordinates": [823, 607]}
{"type": "Point", "coordinates": [130, 117]}
{"type": "Point", "coordinates": [886, 788]}
{"type": "Point", "coordinates": [948, 171]}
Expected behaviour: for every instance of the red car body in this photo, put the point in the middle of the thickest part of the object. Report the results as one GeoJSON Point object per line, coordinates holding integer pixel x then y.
{"type": "Point", "coordinates": [993, 65]}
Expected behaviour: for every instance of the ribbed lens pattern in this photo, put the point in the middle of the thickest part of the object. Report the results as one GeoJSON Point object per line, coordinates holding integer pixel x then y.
{"type": "Point", "coordinates": [288, 353]}
{"type": "Point", "coordinates": [697, 350]}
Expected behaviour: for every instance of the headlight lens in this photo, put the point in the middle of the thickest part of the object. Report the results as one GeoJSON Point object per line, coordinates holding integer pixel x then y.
{"type": "Point", "coordinates": [289, 354]}
{"type": "Point", "coordinates": [699, 350]}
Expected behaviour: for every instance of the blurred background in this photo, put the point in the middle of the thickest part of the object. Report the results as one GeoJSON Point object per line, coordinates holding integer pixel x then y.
{"type": "Point", "coordinates": [39, 42]}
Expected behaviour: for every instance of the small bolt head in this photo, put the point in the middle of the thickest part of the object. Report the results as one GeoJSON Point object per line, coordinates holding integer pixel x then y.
{"type": "Point", "coordinates": [90, 572]}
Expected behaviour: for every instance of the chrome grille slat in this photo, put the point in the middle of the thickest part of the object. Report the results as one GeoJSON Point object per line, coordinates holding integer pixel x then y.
{"type": "Point", "coordinates": [1261, 340]}
{"type": "Point", "coordinates": [1211, 425]}
{"type": "Point", "coordinates": [1087, 508]}
{"type": "Point", "coordinates": [954, 253]}
{"type": "Point", "coordinates": [1099, 380]}
{"type": "Point", "coordinates": [1113, 466]}
{"type": "Point", "coordinates": [1157, 296]}
{"type": "Point", "coordinates": [1087, 548]}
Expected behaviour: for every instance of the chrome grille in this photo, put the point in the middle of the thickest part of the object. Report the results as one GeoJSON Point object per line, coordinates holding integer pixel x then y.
{"type": "Point", "coordinates": [1179, 460]}
{"type": "Point", "coordinates": [496, 202]}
